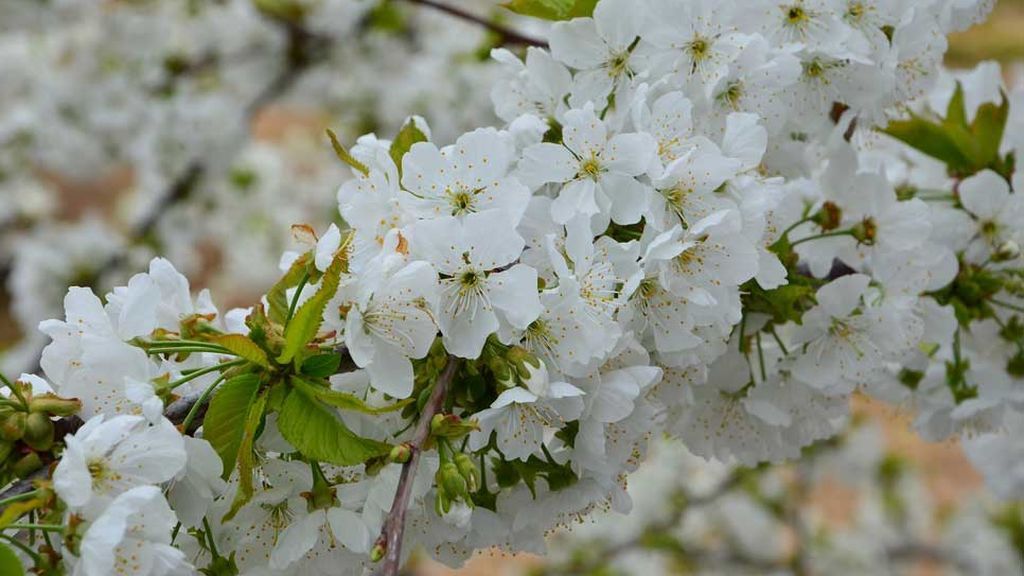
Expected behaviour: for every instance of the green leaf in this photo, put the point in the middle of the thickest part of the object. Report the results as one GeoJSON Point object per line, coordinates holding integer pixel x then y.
{"type": "Point", "coordinates": [244, 348]}
{"type": "Point", "coordinates": [318, 434]}
{"type": "Point", "coordinates": [307, 319]}
{"type": "Point", "coordinates": [933, 139]}
{"type": "Point", "coordinates": [321, 365]}
{"type": "Point", "coordinates": [988, 127]}
{"type": "Point", "coordinates": [407, 136]}
{"type": "Point", "coordinates": [956, 112]}
{"type": "Point", "coordinates": [225, 420]}
{"type": "Point", "coordinates": [10, 565]}
{"type": "Point", "coordinates": [278, 294]}
{"type": "Point", "coordinates": [246, 460]}
{"type": "Point", "coordinates": [344, 154]}
{"type": "Point", "coordinates": [344, 400]}
{"type": "Point", "coordinates": [583, 9]}
{"type": "Point", "coordinates": [546, 9]}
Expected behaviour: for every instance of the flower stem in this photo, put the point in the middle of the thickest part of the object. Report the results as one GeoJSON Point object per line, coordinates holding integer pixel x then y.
{"type": "Point", "coordinates": [822, 236]}
{"type": "Point", "coordinates": [204, 371]}
{"type": "Point", "coordinates": [199, 403]}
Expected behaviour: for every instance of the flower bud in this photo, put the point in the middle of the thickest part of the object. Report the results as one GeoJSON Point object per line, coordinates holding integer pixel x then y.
{"type": "Point", "coordinates": [442, 502]}
{"type": "Point", "coordinates": [866, 231]}
{"type": "Point", "coordinates": [468, 471]}
{"type": "Point", "coordinates": [13, 426]}
{"type": "Point", "coordinates": [26, 465]}
{"type": "Point", "coordinates": [1007, 251]}
{"type": "Point", "coordinates": [829, 217]}
{"type": "Point", "coordinates": [5, 450]}
{"type": "Point", "coordinates": [452, 426]}
{"type": "Point", "coordinates": [377, 552]}
{"type": "Point", "coordinates": [39, 431]}
{"type": "Point", "coordinates": [400, 454]}
{"type": "Point", "coordinates": [455, 487]}
{"type": "Point", "coordinates": [55, 405]}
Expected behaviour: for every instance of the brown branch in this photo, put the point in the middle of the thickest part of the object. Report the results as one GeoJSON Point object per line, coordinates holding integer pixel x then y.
{"type": "Point", "coordinates": [394, 525]}
{"type": "Point", "coordinates": [508, 36]}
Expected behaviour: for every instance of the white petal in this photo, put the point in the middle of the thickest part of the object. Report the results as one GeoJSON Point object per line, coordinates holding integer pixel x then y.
{"type": "Point", "coordinates": [514, 293]}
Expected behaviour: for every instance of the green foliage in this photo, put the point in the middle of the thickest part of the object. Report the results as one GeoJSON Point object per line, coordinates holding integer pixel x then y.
{"type": "Point", "coordinates": [10, 565]}
{"type": "Point", "coordinates": [244, 348]}
{"type": "Point", "coordinates": [557, 476]}
{"type": "Point", "coordinates": [277, 297]}
{"type": "Point", "coordinates": [403, 142]}
{"type": "Point", "coordinates": [344, 154]}
{"type": "Point", "coordinates": [246, 458]}
{"type": "Point", "coordinates": [318, 434]}
{"type": "Point", "coordinates": [226, 418]}
{"type": "Point", "coordinates": [343, 400]}
{"type": "Point", "coordinates": [321, 365]}
{"type": "Point", "coordinates": [303, 326]}
{"type": "Point", "coordinates": [783, 304]}
{"type": "Point", "coordinates": [966, 148]}
{"type": "Point", "coordinates": [552, 9]}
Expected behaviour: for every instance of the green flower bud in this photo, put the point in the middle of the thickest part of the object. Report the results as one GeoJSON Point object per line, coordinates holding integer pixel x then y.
{"type": "Point", "coordinates": [39, 431]}
{"type": "Point", "coordinates": [468, 470]}
{"type": "Point", "coordinates": [455, 486]}
{"type": "Point", "coordinates": [451, 426]}
{"type": "Point", "coordinates": [377, 552]}
{"type": "Point", "coordinates": [400, 454]}
{"type": "Point", "coordinates": [5, 450]}
{"type": "Point", "coordinates": [13, 427]}
{"type": "Point", "coordinates": [442, 502]}
{"type": "Point", "coordinates": [26, 465]}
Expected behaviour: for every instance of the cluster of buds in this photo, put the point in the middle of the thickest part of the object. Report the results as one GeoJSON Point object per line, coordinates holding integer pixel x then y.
{"type": "Point", "coordinates": [457, 479]}
{"type": "Point", "coordinates": [27, 430]}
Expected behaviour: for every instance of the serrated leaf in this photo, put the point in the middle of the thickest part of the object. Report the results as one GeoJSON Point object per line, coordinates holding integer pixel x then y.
{"type": "Point", "coordinates": [545, 9]}
{"type": "Point", "coordinates": [246, 459]}
{"type": "Point", "coordinates": [344, 400]}
{"type": "Point", "coordinates": [321, 365]}
{"type": "Point", "coordinates": [225, 420]}
{"type": "Point", "coordinates": [277, 297]}
{"type": "Point", "coordinates": [316, 432]}
{"type": "Point", "coordinates": [303, 326]}
{"type": "Point", "coordinates": [344, 154]}
{"type": "Point", "coordinates": [407, 136]}
{"type": "Point", "coordinates": [244, 348]}
{"type": "Point", "coordinates": [10, 564]}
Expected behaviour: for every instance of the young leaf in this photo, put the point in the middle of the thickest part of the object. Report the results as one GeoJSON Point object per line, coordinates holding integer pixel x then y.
{"type": "Point", "coordinates": [407, 136]}
{"type": "Point", "coordinates": [278, 294]}
{"type": "Point", "coordinates": [245, 348]}
{"type": "Point", "coordinates": [10, 565]}
{"type": "Point", "coordinates": [546, 9]}
{"type": "Point", "coordinates": [246, 462]}
{"type": "Point", "coordinates": [318, 434]}
{"type": "Point", "coordinates": [344, 154]}
{"type": "Point", "coordinates": [932, 139]}
{"type": "Point", "coordinates": [321, 365]}
{"type": "Point", "coordinates": [307, 319]}
{"type": "Point", "coordinates": [344, 400]}
{"type": "Point", "coordinates": [225, 420]}
{"type": "Point", "coordinates": [583, 9]}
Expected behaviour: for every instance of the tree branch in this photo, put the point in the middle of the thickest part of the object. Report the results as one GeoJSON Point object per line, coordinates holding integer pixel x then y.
{"type": "Point", "coordinates": [508, 36]}
{"type": "Point", "coordinates": [394, 525]}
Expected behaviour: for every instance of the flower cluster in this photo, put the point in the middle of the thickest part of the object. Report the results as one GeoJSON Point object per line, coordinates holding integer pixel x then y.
{"type": "Point", "coordinates": [710, 219]}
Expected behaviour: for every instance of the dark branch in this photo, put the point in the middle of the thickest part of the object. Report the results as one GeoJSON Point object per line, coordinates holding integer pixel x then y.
{"type": "Point", "coordinates": [394, 525]}
{"type": "Point", "coordinates": [508, 36]}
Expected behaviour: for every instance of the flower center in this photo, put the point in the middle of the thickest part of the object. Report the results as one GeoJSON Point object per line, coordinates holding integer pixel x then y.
{"type": "Point", "coordinates": [732, 95]}
{"type": "Point", "coordinates": [590, 167]}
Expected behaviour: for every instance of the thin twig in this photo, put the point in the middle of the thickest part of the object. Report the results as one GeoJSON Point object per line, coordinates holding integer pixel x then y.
{"type": "Point", "coordinates": [394, 525]}
{"type": "Point", "coordinates": [508, 36]}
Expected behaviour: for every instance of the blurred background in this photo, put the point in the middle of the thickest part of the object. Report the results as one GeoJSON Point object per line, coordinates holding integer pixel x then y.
{"type": "Point", "coordinates": [195, 130]}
